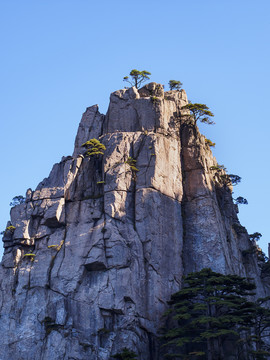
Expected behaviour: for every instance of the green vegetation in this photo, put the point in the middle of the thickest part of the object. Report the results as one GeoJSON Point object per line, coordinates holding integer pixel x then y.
{"type": "Point", "coordinates": [125, 354]}
{"type": "Point", "coordinates": [56, 247]}
{"type": "Point", "coordinates": [255, 236]}
{"type": "Point", "coordinates": [30, 255]}
{"type": "Point", "coordinates": [137, 77]}
{"type": "Point", "coordinates": [218, 168]}
{"type": "Point", "coordinates": [17, 200]}
{"type": "Point", "coordinates": [230, 179]}
{"type": "Point", "coordinates": [175, 85]}
{"type": "Point", "coordinates": [241, 201]}
{"type": "Point", "coordinates": [210, 143]}
{"type": "Point", "coordinates": [212, 318]}
{"type": "Point", "coordinates": [198, 112]}
{"type": "Point", "coordinates": [226, 179]}
{"type": "Point", "coordinates": [93, 148]}
{"type": "Point", "coordinates": [9, 230]}
{"type": "Point", "coordinates": [154, 99]}
{"type": "Point", "coordinates": [132, 163]}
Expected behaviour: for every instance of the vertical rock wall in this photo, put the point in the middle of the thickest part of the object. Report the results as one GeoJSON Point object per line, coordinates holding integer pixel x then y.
{"type": "Point", "coordinates": [98, 248]}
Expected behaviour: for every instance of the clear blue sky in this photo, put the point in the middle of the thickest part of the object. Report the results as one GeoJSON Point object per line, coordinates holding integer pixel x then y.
{"type": "Point", "coordinates": [60, 56]}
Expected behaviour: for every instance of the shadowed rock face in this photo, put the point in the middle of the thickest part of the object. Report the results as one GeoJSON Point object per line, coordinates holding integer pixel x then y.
{"type": "Point", "coordinates": [111, 244]}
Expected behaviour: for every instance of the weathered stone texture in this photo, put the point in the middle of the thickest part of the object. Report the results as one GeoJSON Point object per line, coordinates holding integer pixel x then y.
{"type": "Point", "coordinates": [111, 243]}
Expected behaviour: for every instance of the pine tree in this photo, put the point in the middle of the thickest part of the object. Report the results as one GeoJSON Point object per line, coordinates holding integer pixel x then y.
{"type": "Point", "coordinates": [93, 148]}
{"type": "Point", "coordinates": [175, 85]}
{"type": "Point", "coordinates": [261, 330]}
{"type": "Point", "coordinates": [137, 77]}
{"type": "Point", "coordinates": [210, 311]}
{"type": "Point", "coordinates": [197, 112]}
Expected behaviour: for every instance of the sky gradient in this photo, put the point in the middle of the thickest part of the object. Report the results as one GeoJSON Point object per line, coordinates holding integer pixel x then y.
{"type": "Point", "coordinates": [60, 56]}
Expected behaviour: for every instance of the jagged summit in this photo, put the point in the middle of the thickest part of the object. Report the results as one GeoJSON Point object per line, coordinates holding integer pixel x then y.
{"type": "Point", "coordinates": [98, 248]}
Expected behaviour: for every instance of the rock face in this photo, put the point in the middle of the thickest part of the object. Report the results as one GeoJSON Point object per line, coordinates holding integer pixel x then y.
{"type": "Point", "coordinates": [99, 247]}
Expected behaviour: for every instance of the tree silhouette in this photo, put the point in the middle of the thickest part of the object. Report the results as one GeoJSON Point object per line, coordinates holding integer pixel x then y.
{"type": "Point", "coordinates": [175, 85]}
{"type": "Point", "coordinates": [137, 77]}
{"type": "Point", "coordinates": [198, 112]}
{"type": "Point", "coordinates": [212, 316]}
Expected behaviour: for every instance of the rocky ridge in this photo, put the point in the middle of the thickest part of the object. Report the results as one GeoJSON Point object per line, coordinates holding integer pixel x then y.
{"type": "Point", "coordinates": [98, 248]}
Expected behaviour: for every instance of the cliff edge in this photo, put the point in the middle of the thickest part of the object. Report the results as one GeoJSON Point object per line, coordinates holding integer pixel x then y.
{"type": "Point", "coordinates": [98, 248]}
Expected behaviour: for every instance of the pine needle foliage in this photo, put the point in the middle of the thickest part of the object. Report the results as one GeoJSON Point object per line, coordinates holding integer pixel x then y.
{"type": "Point", "coordinates": [255, 236]}
{"type": "Point", "coordinates": [9, 230]}
{"type": "Point", "coordinates": [175, 85]}
{"type": "Point", "coordinates": [198, 112]}
{"type": "Point", "coordinates": [210, 143]}
{"type": "Point", "coordinates": [230, 179]}
{"type": "Point", "coordinates": [211, 311]}
{"type": "Point", "coordinates": [137, 77]}
{"type": "Point", "coordinates": [132, 164]}
{"type": "Point", "coordinates": [93, 148]}
{"type": "Point", "coordinates": [240, 200]}
{"type": "Point", "coordinates": [17, 200]}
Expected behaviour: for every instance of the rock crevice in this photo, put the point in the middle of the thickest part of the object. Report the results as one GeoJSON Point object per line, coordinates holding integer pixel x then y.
{"type": "Point", "coordinates": [99, 247]}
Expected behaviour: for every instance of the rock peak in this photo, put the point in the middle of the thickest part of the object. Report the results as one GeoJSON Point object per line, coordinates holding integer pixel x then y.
{"type": "Point", "coordinates": [102, 243]}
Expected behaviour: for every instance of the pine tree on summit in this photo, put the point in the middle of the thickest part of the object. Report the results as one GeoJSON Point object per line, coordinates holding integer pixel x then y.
{"type": "Point", "coordinates": [175, 85]}
{"type": "Point", "coordinates": [137, 77]}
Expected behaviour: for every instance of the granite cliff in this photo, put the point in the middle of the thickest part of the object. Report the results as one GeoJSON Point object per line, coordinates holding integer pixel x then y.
{"type": "Point", "coordinates": [98, 248]}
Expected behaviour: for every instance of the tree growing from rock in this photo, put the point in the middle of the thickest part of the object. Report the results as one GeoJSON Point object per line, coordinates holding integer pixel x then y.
{"type": "Point", "coordinates": [175, 85]}
{"type": "Point", "coordinates": [132, 164]}
{"type": "Point", "coordinates": [261, 325]}
{"type": "Point", "coordinates": [136, 77]}
{"type": "Point", "coordinates": [230, 179]}
{"type": "Point", "coordinates": [240, 200]}
{"type": "Point", "coordinates": [93, 148]}
{"type": "Point", "coordinates": [255, 236]}
{"type": "Point", "coordinates": [212, 318]}
{"type": "Point", "coordinates": [9, 230]}
{"type": "Point", "coordinates": [17, 200]}
{"type": "Point", "coordinates": [197, 112]}
{"type": "Point", "coordinates": [210, 143]}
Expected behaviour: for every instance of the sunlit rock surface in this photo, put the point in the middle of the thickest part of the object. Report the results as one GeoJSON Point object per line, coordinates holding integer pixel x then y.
{"type": "Point", "coordinates": [109, 244]}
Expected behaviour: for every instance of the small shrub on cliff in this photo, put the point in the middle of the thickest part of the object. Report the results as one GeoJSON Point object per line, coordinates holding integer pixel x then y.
{"type": "Point", "coordinates": [93, 148]}
{"type": "Point", "coordinates": [218, 167]}
{"type": "Point", "coordinates": [154, 99]}
{"type": "Point", "coordinates": [255, 236]}
{"type": "Point", "coordinates": [175, 85]}
{"type": "Point", "coordinates": [198, 112]}
{"type": "Point", "coordinates": [132, 162]}
{"type": "Point", "coordinates": [9, 230]}
{"type": "Point", "coordinates": [17, 200]}
{"type": "Point", "coordinates": [137, 77]}
{"type": "Point", "coordinates": [210, 143]}
{"type": "Point", "coordinates": [31, 256]}
{"type": "Point", "coordinates": [241, 201]}
{"type": "Point", "coordinates": [125, 354]}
